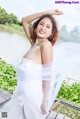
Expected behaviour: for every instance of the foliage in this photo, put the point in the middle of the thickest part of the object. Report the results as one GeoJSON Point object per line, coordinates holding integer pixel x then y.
{"type": "Point", "coordinates": [7, 76]}
{"type": "Point", "coordinates": [3, 15]}
{"type": "Point", "coordinates": [70, 92]}
{"type": "Point", "coordinates": [8, 18]}
{"type": "Point", "coordinates": [64, 35]}
{"type": "Point", "coordinates": [8, 82]}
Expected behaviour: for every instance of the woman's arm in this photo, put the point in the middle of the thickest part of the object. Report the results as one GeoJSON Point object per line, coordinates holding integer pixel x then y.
{"type": "Point", "coordinates": [28, 19]}
{"type": "Point", "coordinates": [47, 57]}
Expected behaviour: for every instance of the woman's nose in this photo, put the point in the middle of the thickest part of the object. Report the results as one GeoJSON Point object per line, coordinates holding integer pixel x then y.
{"type": "Point", "coordinates": [43, 27]}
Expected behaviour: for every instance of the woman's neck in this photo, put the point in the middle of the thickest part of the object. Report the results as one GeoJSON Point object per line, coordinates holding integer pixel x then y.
{"type": "Point", "coordinates": [38, 40]}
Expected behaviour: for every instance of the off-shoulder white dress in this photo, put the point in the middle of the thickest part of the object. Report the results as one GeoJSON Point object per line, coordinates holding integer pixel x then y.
{"type": "Point", "coordinates": [27, 97]}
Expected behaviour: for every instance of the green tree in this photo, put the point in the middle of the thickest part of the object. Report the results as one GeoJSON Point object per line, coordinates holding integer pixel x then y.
{"type": "Point", "coordinates": [8, 18]}
{"type": "Point", "coordinates": [11, 18]}
{"type": "Point", "coordinates": [3, 15]}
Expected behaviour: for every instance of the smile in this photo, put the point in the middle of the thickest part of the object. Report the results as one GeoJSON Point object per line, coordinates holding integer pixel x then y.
{"type": "Point", "coordinates": [42, 32]}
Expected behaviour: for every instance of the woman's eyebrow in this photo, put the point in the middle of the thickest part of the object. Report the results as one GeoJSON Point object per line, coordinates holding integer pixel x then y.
{"type": "Point", "coordinates": [42, 22]}
{"type": "Point", "coordinates": [46, 24]}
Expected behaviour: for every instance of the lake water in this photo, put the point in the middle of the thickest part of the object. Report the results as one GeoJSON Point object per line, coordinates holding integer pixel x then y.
{"type": "Point", "coordinates": [12, 46]}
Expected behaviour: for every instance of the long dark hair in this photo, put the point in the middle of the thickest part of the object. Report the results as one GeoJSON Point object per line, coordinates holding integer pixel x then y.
{"type": "Point", "coordinates": [53, 37]}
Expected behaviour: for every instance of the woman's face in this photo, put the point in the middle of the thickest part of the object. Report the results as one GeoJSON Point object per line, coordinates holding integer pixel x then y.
{"type": "Point", "coordinates": [44, 28]}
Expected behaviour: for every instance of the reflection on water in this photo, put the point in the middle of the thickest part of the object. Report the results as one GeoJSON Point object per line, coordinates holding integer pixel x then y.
{"type": "Point", "coordinates": [12, 46]}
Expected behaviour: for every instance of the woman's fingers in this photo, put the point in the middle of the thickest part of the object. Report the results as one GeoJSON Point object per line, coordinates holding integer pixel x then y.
{"type": "Point", "coordinates": [54, 12]}
{"type": "Point", "coordinates": [58, 12]}
{"type": "Point", "coordinates": [43, 110]}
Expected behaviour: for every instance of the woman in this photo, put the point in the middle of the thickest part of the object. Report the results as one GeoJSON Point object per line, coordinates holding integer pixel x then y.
{"type": "Point", "coordinates": [31, 96]}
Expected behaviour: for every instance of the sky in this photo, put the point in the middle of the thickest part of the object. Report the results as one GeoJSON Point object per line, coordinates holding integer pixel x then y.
{"type": "Point", "coordinates": [21, 8]}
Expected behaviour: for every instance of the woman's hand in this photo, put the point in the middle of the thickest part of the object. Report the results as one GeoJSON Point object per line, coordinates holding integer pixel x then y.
{"type": "Point", "coordinates": [43, 107]}
{"type": "Point", "coordinates": [54, 12]}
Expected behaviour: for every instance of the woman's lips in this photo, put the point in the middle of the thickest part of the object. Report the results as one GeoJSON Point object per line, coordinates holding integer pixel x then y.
{"type": "Point", "coordinates": [42, 32]}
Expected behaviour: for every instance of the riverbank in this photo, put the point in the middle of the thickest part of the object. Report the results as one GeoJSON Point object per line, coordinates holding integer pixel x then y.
{"type": "Point", "coordinates": [13, 28]}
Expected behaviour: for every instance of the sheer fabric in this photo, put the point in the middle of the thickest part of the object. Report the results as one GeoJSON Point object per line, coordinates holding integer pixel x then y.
{"type": "Point", "coordinates": [28, 95]}
{"type": "Point", "coordinates": [66, 59]}
{"type": "Point", "coordinates": [47, 71]}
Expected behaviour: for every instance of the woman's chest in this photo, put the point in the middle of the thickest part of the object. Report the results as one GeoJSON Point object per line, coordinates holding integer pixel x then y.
{"type": "Point", "coordinates": [25, 69]}
{"type": "Point", "coordinates": [34, 54]}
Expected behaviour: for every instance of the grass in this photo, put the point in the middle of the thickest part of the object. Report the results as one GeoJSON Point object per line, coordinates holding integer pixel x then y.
{"type": "Point", "coordinates": [13, 28]}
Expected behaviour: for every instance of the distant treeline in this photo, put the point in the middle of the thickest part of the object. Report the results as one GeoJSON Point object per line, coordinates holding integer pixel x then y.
{"type": "Point", "coordinates": [8, 18]}
{"type": "Point", "coordinates": [64, 35]}
{"type": "Point", "coordinates": [73, 35]}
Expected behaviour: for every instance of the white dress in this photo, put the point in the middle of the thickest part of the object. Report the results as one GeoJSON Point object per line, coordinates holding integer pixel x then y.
{"type": "Point", "coordinates": [27, 97]}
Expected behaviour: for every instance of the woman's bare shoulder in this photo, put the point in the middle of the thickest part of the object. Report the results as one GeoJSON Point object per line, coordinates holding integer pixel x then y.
{"type": "Point", "coordinates": [46, 44]}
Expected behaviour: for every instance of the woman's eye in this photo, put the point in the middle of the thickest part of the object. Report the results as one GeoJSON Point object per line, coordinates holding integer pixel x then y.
{"type": "Point", "coordinates": [41, 24]}
{"type": "Point", "coordinates": [48, 27]}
